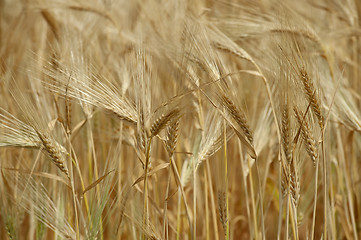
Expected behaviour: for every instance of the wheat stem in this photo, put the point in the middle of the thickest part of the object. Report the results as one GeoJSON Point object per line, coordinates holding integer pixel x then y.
{"type": "Point", "coordinates": [213, 204]}
{"type": "Point", "coordinates": [315, 201]}
{"type": "Point", "coordinates": [254, 207]}
{"type": "Point", "coordinates": [145, 189]}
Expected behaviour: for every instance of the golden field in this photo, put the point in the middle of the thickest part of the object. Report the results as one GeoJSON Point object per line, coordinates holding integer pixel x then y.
{"type": "Point", "coordinates": [180, 119]}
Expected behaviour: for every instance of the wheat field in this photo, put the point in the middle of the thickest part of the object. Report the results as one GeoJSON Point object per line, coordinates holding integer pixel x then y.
{"type": "Point", "coordinates": [180, 119]}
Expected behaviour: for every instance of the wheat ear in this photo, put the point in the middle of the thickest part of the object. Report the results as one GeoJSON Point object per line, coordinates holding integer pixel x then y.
{"type": "Point", "coordinates": [307, 135]}
{"type": "Point", "coordinates": [285, 133]}
{"type": "Point", "coordinates": [238, 116]}
{"type": "Point", "coordinates": [54, 151]}
{"type": "Point", "coordinates": [162, 122]}
{"type": "Point", "coordinates": [222, 205]}
{"type": "Point", "coordinates": [172, 135]}
{"type": "Point", "coordinates": [312, 96]}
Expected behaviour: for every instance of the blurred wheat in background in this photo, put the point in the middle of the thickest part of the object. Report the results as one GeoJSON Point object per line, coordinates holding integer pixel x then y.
{"type": "Point", "coordinates": [176, 119]}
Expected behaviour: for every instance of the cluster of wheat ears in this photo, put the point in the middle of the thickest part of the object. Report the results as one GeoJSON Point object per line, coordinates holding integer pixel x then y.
{"type": "Point", "coordinates": [176, 119]}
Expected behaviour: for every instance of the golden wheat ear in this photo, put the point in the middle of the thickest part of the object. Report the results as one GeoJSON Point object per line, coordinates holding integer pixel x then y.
{"type": "Point", "coordinates": [238, 116]}
{"type": "Point", "coordinates": [222, 207]}
{"type": "Point", "coordinates": [39, 125]}
{"type": "Point", "coordinates": [55, 152]}
{"type": "Point", "coordinates": [172, 135]}
{"type": "Point", "coordinates": [161, 122]}
{"type": "Point", "coordinates": [307, 135]}
{"type": "Point", "coordinates": [286, 134]}
{"type": "Point", "coordinates": [16, 133]}
{"type": "Point", "coordinates": [237, 120]}
{"type": "Point", "coordinates": [312, 96]}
